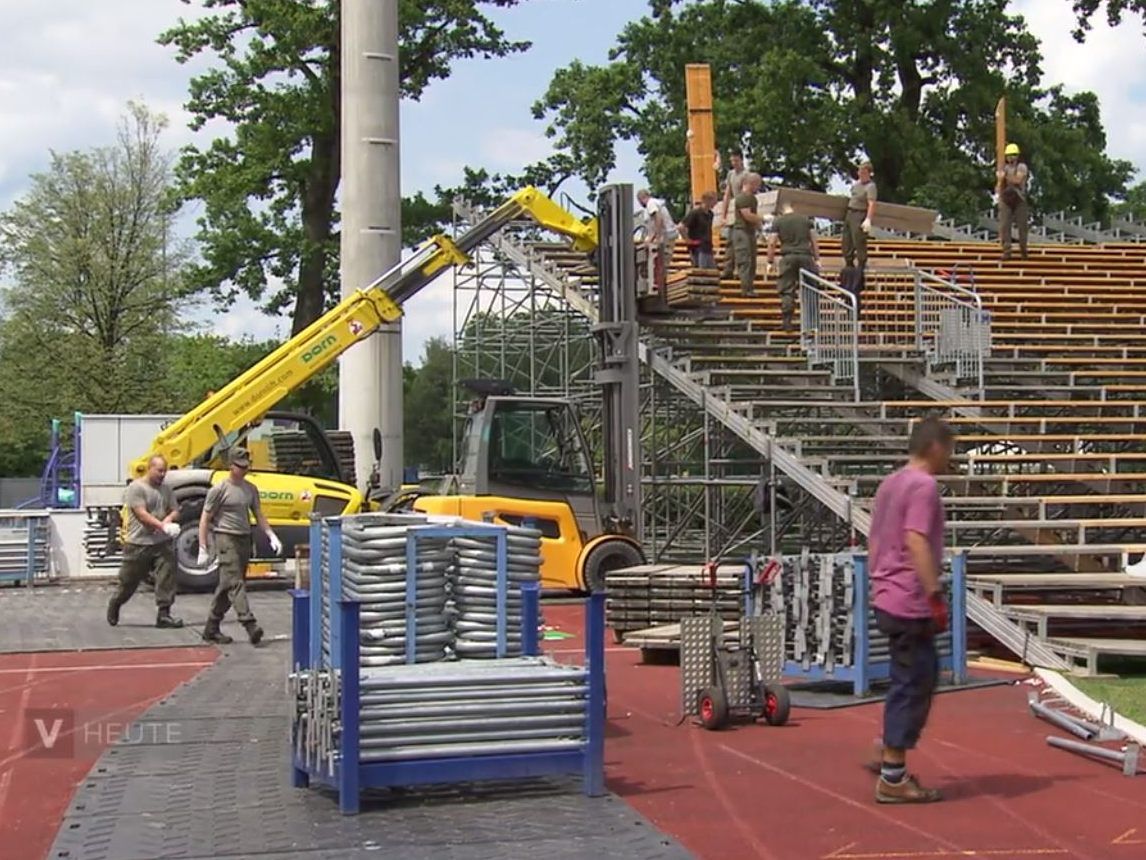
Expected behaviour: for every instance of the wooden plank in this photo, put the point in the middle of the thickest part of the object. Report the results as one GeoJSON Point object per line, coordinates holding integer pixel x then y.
{"type": "Point", "coordinates": [1000, 137]}
{"type": "Point", "coordinates": [816, 204]}
{"type": "Point", "coordinates": [701, 143]}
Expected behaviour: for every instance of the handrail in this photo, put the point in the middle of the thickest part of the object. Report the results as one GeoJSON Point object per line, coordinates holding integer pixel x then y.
{"type": "Point", "coordinates": [962, 327]}
{"type": "Point", "coordinates": [974, 298]}
{"type": "Point", "coordinates": [830, 343]}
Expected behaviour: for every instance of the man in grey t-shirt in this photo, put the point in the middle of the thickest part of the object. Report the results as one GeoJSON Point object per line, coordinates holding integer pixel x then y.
{"type": "Point", "coordinates": [857, 221]}
{"type": "Point", "coordinates": [151, 526]}
{"type": "Point", "coordinates": [732, 185]}
{"type": "Point", "coordinates": [227, 514]}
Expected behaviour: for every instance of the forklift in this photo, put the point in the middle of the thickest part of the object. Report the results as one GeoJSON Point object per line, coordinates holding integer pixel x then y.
{"type": "Point", "coordinates": [527, 458]}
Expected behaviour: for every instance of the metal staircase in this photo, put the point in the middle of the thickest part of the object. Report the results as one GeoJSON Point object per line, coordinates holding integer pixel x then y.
{"type": "Point", "coordinates": [774, 424]}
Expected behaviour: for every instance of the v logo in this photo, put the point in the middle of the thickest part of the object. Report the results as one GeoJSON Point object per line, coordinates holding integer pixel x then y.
{"type": "Point", "coordinates": [48, 739]}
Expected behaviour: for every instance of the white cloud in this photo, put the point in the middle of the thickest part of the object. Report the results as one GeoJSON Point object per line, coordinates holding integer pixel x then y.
{"type": "Point", "coordinates": [67, 70]}
{"type": "Point", "coordinates": [1111, 63]}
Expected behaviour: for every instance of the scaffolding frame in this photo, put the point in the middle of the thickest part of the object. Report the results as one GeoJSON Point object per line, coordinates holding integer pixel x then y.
{"type": "Point", "coordinates": [706, 494]}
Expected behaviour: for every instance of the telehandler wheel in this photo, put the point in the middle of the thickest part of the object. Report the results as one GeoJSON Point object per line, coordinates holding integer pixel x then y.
{"type": "Point", "coordinates": [189, 576]}
{"type": "Point", "coordinates": [608, 555]}
{"type": "Point", "coordinates": [777, 705]}
{"type": "Point", "coordinates": [712, 705]}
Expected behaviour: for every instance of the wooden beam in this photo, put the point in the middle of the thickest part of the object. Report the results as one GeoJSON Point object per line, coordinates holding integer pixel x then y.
{"type": "Point", "coordinates": [702, 139]}
{"type": "Point", "coordinates": [1000, 137]}
{"type": "Point", "coordinates": [816, 204]}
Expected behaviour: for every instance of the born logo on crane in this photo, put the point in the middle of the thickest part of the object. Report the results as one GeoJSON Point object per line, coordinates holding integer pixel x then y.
{"type": "Point", "coordinates": [317, 349]}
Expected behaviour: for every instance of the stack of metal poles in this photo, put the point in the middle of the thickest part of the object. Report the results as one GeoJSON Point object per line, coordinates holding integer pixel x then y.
{"type": "Point", "coordinates": [374, 574]}
{"type": "Point", "coordinates": [474, 590]}
{"type": "Point", "coordinates": [512, 705]}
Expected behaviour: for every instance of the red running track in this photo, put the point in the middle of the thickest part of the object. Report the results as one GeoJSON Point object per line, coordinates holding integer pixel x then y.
{"type": "Point", "coordinates": [58, 711]}
{"type": "Point", "coordinates": [800, 792]}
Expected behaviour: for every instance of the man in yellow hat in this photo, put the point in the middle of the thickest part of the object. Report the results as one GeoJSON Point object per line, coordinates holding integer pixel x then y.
{"type": "Point", "coordinates": [1012, 185]}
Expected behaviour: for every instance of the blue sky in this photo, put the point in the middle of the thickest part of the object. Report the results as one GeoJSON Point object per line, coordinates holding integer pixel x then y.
{"type": "Point", "coordinates": [68, 67]}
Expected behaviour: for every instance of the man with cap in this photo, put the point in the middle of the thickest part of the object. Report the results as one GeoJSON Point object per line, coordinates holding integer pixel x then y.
{"type": "Point", "coordinates": [227, 513]}
{"type": "Point", "coordinates": [1012, 186]}
{"type": "Point", "coordinates": [857, 221]}
{"type": "Point", "coordinates": [151, 527]}
{"type": "Point", "coordinates": [796, 238]}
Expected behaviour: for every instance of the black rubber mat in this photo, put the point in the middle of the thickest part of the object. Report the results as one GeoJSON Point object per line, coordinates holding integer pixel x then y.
{"type": "Point", "coordinates": [75, 619]}
{"type": "Point", "coordinates": [205, 774]}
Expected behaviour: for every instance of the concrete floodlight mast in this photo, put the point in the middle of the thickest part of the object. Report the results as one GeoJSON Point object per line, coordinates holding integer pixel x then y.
{"type": "Point", "coordinates": [370, 375]}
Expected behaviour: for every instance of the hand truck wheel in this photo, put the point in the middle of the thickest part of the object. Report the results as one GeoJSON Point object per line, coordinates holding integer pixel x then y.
{"type": "Point", "coordinates": [712, 705]}
{"type": "Point", "coordinates": [777, 705]}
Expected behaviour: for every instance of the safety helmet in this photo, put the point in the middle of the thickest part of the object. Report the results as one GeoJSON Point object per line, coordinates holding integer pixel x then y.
{"type": "Point", "coordinates": [1012, 149]}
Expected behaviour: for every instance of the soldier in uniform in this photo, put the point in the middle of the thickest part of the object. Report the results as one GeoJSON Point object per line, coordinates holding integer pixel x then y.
{"type": "Point", "coordinates": [796, 237]}
{"type": "Point", "coordinates": [732, 184]}
{"type": "Point", "coordinates": [1013, 209]}
{"type": "Point", "coordinates": [744, 228]}
{"type": "Point", "coordinates": [857, 222]}
{"type": "Point", "coordinates": [151, 527]}
{"type": "Point", "coordinates": [227, 513]}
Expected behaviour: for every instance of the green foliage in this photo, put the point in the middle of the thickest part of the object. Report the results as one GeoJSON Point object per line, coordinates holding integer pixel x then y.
{"type": "Point", "coordinates": [807, 87]}
{"type": "Point", "coordinates": [1134, 206]}
{"type": "Point", "coordinates": [269, 223]}
{"type": "Point", "coordinates": [196, 365]}
{"type": "Point", "coordinates": [428, 412]}
{"type": "Point", "coordinates": [1085, 10]}
{"type": "Point", "coordinates": [93, 281]}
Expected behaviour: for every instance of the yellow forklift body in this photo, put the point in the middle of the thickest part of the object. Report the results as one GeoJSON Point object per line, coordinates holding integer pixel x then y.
{"type": "Point", "coordinates": [562, 543]}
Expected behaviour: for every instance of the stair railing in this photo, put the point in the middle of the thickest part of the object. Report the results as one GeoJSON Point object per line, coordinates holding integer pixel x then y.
{"type": "Point", "coordinates": [829, 328]}
{"type": "Point", "coordinates": [951, 327]}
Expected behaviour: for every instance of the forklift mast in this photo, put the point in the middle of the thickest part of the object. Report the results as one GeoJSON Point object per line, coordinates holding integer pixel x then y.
{"type": "Point", "coordinates": [619, 372]}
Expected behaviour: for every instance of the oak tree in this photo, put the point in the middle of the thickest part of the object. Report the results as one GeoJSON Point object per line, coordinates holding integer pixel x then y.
{"type": "Point", "coordinates": [268, 186]}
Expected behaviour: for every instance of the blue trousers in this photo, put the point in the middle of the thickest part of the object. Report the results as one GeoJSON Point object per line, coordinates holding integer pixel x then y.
{"type": "Point", "coordinates": [914, 676]}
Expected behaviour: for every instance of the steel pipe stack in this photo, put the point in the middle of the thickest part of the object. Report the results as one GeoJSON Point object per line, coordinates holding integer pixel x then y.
{"type": "Point", "coordinates": [474, 590]}
{"type": "Point", "coordinates": [419, 711]}
{"type": "Point", "coordinates": [374, 568]}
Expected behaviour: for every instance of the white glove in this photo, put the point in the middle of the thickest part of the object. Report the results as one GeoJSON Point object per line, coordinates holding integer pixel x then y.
{"type": "Point", "coordinates": [171, 529]}
{"type": "Point", "coordinates": [204, 556]}
{"type": "Point", "coordinates": [866, 225]}
{"type": "Point", "coordinates": [276, 544]}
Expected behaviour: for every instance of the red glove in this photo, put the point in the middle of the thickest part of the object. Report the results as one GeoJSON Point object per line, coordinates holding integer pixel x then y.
{"type": "Point", "coordinates": [938, 611]}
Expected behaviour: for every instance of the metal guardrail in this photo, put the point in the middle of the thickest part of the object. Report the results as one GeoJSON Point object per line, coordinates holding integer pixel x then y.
{"type": "Point", "coordinates": [25, 551]}
{"type": "Point", "coordinates": [951, 327]}
{"type": "Point", "coordinates": [829, 327]}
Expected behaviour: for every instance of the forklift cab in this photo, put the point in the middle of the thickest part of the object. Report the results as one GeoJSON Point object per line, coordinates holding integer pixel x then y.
{"type": "Point", "coordinates": [530, 448]}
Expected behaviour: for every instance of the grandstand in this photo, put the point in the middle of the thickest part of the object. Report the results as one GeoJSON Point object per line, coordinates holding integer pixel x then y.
{"type": "Point", "coordinates": [761, 439]}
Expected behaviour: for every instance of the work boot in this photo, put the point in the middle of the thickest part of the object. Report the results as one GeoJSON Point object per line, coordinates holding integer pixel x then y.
{"type": "Point", "coordinates": [211, 634]}
{"type": "Point", "coordinates": [786, 323]}
{"type": "Point", "coordinates": [254, 632]}
{"type": "Point", "coordinates": [164, 620]}
{"type": "Point", "coordinates": [907, 790]}
{"type": "Point", "coordinates": [112, 612]}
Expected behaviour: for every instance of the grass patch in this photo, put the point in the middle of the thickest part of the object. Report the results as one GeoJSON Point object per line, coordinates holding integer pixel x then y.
{"type": "Point", "coordinates": [1127, 695]}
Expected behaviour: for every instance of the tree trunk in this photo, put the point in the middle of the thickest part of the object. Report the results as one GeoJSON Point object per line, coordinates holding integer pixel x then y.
{"type": "Point", "coordinates": [318, 203]}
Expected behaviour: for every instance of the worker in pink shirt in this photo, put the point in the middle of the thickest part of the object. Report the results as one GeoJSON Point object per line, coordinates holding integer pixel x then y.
{"type": "Point", "coordinates": [905, 548]}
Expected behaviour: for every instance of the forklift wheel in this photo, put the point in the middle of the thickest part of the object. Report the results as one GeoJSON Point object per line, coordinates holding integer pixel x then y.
{"type": "Point", "coordinates": [712, 705]}
{"type": "Point", "coordinates": [777, 704]}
